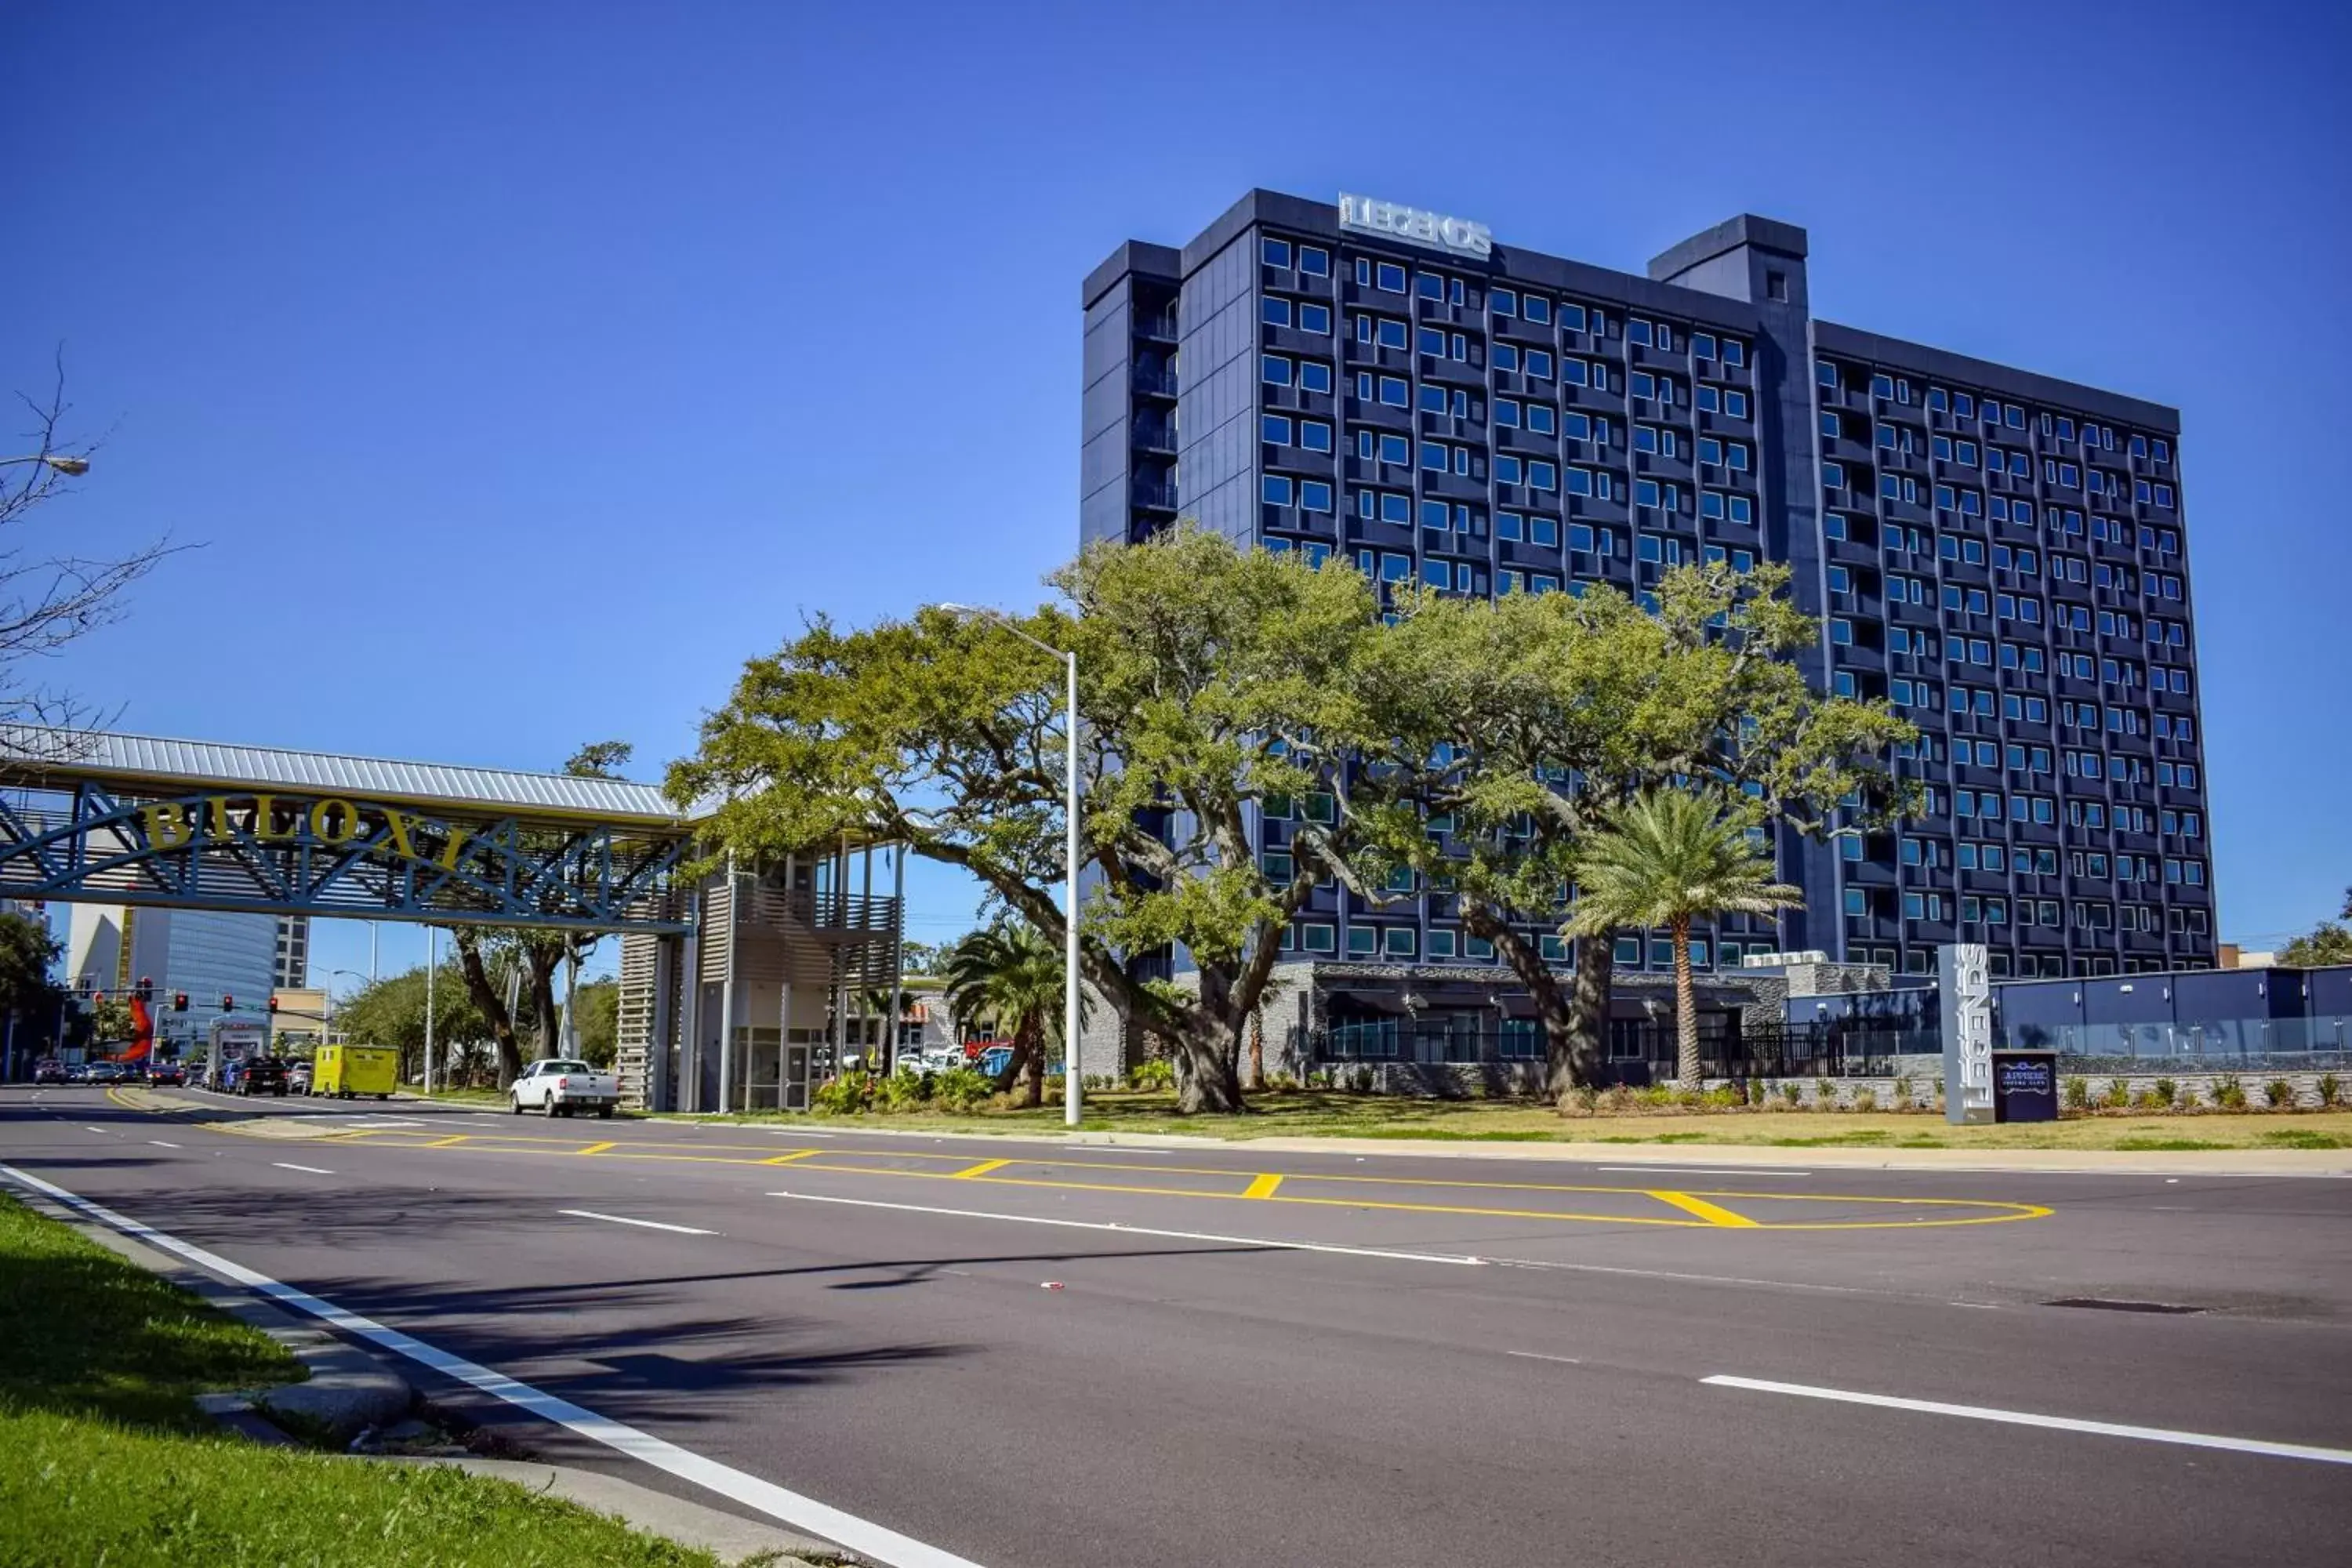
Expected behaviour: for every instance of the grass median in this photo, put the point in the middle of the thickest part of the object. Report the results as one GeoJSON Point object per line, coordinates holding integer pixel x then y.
{"type": "Point", "coordinates": [104, 1459]}
{"type": "Point", "coordinates": [1331, 1113]}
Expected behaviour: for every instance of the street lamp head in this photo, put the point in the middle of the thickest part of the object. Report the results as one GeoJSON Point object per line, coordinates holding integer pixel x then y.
{"type": "Point", "coordinates": [948, 608]}
{"type": "Point", "coordinates": [72, 467]}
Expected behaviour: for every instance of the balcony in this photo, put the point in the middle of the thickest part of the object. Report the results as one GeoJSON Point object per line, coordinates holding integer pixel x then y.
{"type": "Point", "coordinates": [1155, 494]}
{"type": "Point", "coordinates": [1161, 324]}
{"type": "Point", "coordinates": [1154, 382]}
{"type": "Point", "coordinates": [1155, 435]}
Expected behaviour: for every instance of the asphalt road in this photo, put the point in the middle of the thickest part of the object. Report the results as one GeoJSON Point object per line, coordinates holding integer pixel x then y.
{"type": "Point", "coordinates": [1036, 1358]}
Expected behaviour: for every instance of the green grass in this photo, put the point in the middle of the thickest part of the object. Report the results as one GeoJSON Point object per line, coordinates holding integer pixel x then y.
{"type": "Point", "coordinates": [2154, 1145]}
{"type": "Point", "coordinates": [1332, 1113]}
{"type": "Point", "coordinates": [104, 1459]}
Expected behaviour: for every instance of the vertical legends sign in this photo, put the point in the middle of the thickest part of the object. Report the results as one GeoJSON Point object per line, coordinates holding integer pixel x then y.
{"type": "Point", "coordinates": [1965, 988]}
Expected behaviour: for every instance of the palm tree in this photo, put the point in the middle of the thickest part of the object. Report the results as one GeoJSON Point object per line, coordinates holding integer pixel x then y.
{"type": "Point", "coordinates": [1665, 859]}
{"type": "Point", "coordinates": [1012, 974]}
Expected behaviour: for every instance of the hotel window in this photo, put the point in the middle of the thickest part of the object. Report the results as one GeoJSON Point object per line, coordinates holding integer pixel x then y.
{"type": "Point", "coordinates": [1315, 317]}
{"type": "Point", "coordinates": [1314, 435]}
{"type": "Point", "coordinates": [1276, 252]}
{"type": "Point", "coordinates": [1572, 316]}
{"type": "Point", "coordinates": [1314, 375]}
{"type": "Point", "coordinates": [1506, 301]}
{"type": "Point", "coordinates": [1315, 495]}
{"type": "Point", "coordinates": [1537, 309]}
{"type": "Point", "coordinates": [1315, 261]}
{"type": "Point", "coordinates": [1539, 363]}
{"type": "Point", "coordinates": [1389, 277]}
{"type": "Point", "coordinates": [1276, 429]}
{"type": "Point", "coordinates": [1274, 370]}
{"type": "Point", "coordinates": [1276, 311]}
{"type": "Point", "coordinates": [1540, 419]}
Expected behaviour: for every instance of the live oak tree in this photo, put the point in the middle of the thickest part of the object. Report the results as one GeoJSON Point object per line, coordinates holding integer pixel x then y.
{"type": "Point", "coordinates": [489, 955]}
{"type": "Point", "coordinates": [1522, 720]}
{"type": "Point", "coordinates": [2327, 942]}
{"type": "Point", "coordinates": [1209, 679]}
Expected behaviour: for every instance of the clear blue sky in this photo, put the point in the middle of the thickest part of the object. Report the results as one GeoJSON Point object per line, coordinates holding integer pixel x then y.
{"type": "Point", "coordinates": [523, 368]}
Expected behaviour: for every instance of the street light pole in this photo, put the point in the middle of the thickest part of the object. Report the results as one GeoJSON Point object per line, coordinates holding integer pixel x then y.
{"type": "Point", "coordinates": [1072, 1089]}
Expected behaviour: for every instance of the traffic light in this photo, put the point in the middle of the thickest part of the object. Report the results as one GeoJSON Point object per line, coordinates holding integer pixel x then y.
{"type": "Point", "coordinates": [273, 1004]}
{"type": "Point", "coordinates": [228, 1003]}
{"type": "Point", "coordinates": [179, 1001]}
{"type": "Point", "coordinates": [146, 989]}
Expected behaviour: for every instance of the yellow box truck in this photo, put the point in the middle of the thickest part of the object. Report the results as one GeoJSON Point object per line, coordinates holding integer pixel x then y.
{"type": "Point", "coordinates": [349, 1071]}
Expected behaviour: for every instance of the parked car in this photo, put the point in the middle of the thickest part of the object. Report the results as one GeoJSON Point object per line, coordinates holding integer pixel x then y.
{"type": "Point", "coordinates": [561, 1088]}
{"type": "Point", "coordinates": [103, 1072]}
{"type": "Point", "coordinates": [255, 1074]}
{"type": "Point", "coordinates": [167, 1072]}
{"type": "Point", "coordinates": [48, 1069]}
{"type": "Point", "coordinates": [77, 1073]}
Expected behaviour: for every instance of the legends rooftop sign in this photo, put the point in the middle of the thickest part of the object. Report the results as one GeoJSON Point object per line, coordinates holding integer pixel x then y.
{"type": "Point", "coordinates": [1437, 231]}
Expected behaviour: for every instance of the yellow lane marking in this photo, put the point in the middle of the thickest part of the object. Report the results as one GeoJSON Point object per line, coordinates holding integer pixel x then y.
{"type": "Point", "coordinates": [447, 1142]}
{"type": "Point", "coordinates": [1703, 1209]}
{"type": "Point", "coordinates": [598, 1148]}
{"type": "Point", "coordinates": [1703, 1215]}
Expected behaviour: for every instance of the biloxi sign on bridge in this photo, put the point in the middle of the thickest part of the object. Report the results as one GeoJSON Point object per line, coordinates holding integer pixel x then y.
{"type": "Point", "coordinates": [134, 820]}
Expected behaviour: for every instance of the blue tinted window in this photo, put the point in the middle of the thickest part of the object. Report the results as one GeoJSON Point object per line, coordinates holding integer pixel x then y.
{"type": "Point", "coordinates": [1276, 490]}
{"type": "Point", "coordinates": [1314, 317]}
{"type": "Point", "coordinates": [1391, 277]}
{"type": "Point", "coordinates": [1275, 369]}
{"type": "Point", "coordinates": [1276, 428]}
{"type": "Point", "coordinates": [1314, 261]}
{"type": "Point", "coordinates": [1314, 435]}
{"type": "Point", "coordinates": [1276, 252]}
{"type": "Point", "coordinates": [1315, 495]}
{"type": "Point", "coordinates": [1276, 311]}
{"type": "Point", "coordinates": [1315, 375]}
{"type": "Point", "coordinates": [1538, 310]}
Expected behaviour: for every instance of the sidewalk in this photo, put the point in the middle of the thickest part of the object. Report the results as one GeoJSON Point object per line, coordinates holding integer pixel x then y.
{"type": "Point", "coordinates": [2323, 1163]}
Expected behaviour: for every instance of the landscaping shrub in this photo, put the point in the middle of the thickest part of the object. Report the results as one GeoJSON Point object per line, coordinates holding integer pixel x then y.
{"type": "Point", "coordinates": [1583, 1100]}
{"type": "Point", "coordinates": [844, 1095]}
{"type": "Point", "coordinates": [1658, 1096]}
{"type": "Point", "coordinates": [1903, 1093]}
{"type": "Point", "coordinates": [2328, 1088]}
{"type": "Point", "coordinates": [1621, 1099]}
{"type": "Point", "coordinates": [1865, 1100]}
{"type": "Point", "coordinates": [2227, 1093]}
{"type": "Point", "coordinates": [2167, 1091]}
{"type": "Point", "coordinates": [1825, 1094]}
{"type": "Point", "coordinates": [2078, 1094]}
{"type": "Point", "coordinates": [2279, 1093]}
{"type": "Point", "coordinates": [2118, 1093]}
{"type": "Point", "coordinates": [959, 1088]}
{"type": "Point", "coordinates": [1724, 1099]}
{"type": "Point", "coordinates": [903, 1091]}
{"type": "Point", "coordinates": [1792, 1092]}
{"type": "Point", "coordinates": [2145, 1100]}
{"type": "Point", "coordinates": [1281, 1082]}
{"type": "Point", "coordinates": [1157, 1072]}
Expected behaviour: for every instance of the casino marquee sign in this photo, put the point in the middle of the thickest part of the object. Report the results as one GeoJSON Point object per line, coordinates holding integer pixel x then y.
{"type": "Point", "coordinates": [332, 854]}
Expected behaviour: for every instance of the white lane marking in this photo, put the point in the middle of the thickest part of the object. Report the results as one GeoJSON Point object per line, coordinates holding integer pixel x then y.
{"type": "Point", "coordinates": [89, 1128]}
{"type": "Point", "coordinates": [862, 1536]}
{"type": "Point", "coordinates": [161, 1144]}
{"type": "Point", "coordinates": [1701, 1171]}
{"type": "Point", "coordinates": [1270, 1245]}
{"type": "Point", "coordinates": [1538, 1355]}
{"type": "Point", "coordinates": [310, 1169]}
{"type": "Point", "coordinates": [1696, 1279]}
{"type": "Point", "coordinates": [2056, 1422]}
{"type": "Point", "coordinates": [624, 1219]}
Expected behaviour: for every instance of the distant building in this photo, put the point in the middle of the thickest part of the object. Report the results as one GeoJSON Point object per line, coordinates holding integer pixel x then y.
{"type": "Point", "coordinates": [293, 952]}
{"type": "Point", "coordinates": [208, 954]}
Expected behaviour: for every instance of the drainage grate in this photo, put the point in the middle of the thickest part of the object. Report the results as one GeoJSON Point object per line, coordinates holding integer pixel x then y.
{"type": "Point", "coordinates": [2102, 1304]}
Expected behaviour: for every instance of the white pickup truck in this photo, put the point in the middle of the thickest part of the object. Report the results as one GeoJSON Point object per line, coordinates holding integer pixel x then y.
{"type": "Point", "coordinates": [564, 1088]}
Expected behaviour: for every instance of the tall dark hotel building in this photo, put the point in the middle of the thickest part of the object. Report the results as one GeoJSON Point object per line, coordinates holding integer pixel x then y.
{"type": "Point", "coordinates": [2000, 554]}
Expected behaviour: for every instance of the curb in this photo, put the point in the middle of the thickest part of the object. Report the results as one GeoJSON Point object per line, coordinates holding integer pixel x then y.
{"type": "Point", "coordinates": [351, 1389]}
{"type": "Point", "coordinates": [2304, 1163]}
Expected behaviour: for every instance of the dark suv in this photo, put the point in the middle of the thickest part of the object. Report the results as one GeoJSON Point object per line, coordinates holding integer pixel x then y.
{"type": "Point", "coordinates": [167, 1072]}
{"type": "Point", "coordinates": [258, 1075]}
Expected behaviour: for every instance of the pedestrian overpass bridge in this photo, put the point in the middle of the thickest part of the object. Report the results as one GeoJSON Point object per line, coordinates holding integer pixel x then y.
{"type": "Point", "coordinates": [800, 942]}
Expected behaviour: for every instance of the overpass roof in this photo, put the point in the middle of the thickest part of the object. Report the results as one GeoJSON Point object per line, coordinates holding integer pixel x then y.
{"type": "Point", "coordinates": [57, 754]}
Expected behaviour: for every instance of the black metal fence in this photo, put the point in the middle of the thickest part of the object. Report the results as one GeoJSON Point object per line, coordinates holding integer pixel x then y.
{"type": "Point", "coordinates": [1641, 1051]}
